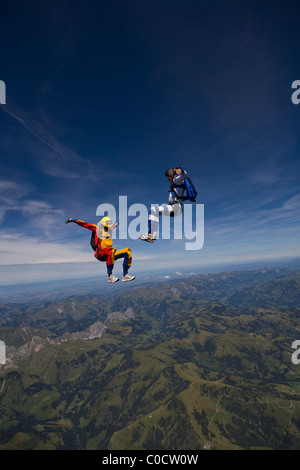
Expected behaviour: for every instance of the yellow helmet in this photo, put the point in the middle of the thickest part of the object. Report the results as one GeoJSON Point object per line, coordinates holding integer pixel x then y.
{"type": "Point", "coordinates": [106, 222]}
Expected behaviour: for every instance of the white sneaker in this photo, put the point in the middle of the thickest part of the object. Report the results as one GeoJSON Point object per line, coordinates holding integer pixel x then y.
{"type": "Point", "coordinates": [148, 237]}
{"type": "Point", "coordinates": [127, 278]}
{"type": "Point", "coordinates": [112, 278]}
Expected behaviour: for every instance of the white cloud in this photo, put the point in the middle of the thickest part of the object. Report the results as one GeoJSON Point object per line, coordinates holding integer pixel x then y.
{"type": "Point", "coordinates": [31, 214]}
{"type": "Point", "coordinates": [11, 193]}
{"type": "Point", "coordinates": [17, 249]}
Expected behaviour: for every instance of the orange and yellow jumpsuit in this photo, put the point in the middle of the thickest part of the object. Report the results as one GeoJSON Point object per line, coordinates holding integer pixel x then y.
{"type": "Point", "coordinates": [104, 250]}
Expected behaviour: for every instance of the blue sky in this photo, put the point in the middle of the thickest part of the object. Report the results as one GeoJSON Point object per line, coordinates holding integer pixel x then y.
{"type": "Point", "coordinates": [102, 97]}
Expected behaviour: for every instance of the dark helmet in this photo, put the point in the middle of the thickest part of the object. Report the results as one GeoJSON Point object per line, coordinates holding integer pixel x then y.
{"type": "Point", "coordinates": [170, 173]}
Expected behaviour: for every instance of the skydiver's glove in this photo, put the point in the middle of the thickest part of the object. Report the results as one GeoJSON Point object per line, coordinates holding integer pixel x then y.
{"type": "Point", "coordinates": [69, 220]}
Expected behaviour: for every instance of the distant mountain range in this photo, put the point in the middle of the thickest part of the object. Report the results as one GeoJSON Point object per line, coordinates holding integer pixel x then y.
{"type": "Point", "coordinates": [198, 363]}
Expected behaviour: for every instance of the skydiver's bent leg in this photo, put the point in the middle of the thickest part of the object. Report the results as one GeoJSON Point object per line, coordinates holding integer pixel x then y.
{"type": "Point", "coordinates": [109, 259]}
{"type": "Point", "coordinates": [111, 277]}
{"type": "Point", "coordinates": [153, 220]}
{"type": "Point", "coordinates": [126, 254]}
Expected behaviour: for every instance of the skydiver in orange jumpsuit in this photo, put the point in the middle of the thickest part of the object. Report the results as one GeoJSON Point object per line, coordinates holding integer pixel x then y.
{"type": "Point", "coordinates": [102, 244]}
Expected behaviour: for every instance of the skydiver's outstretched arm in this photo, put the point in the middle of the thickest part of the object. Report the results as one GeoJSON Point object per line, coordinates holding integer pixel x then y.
{"type": "Point", "coordinates": [92, 227]}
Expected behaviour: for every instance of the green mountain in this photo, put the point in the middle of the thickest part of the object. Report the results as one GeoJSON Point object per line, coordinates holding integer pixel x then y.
{"type": "Point", "coordinates": [200, 363]}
